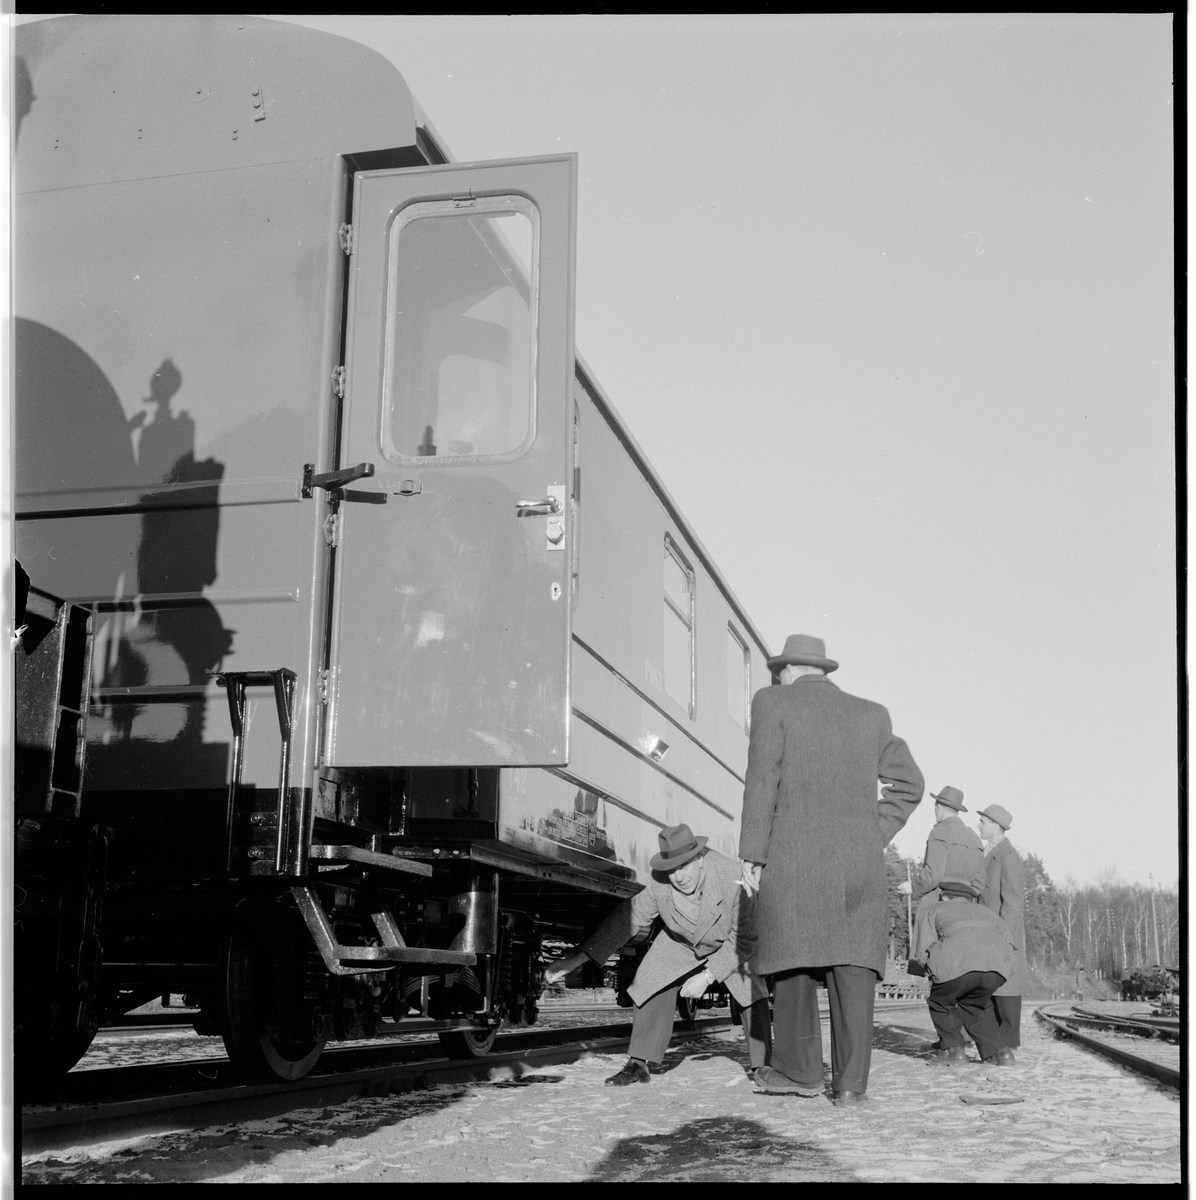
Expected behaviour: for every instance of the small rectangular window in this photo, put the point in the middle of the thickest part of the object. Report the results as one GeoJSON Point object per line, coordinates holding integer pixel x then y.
{"type": "Point", "coordinates": [460, 366]}
{"type": "Point", "coordinates": [678, 627]}
{"type": "Point", "coordinates": [739, 678]}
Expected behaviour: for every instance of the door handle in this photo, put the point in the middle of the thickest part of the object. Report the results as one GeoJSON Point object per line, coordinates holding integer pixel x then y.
{"type": "Point", "coordinates": [333, 479]}
{"type": "Point", "coordinates": [527, 508]}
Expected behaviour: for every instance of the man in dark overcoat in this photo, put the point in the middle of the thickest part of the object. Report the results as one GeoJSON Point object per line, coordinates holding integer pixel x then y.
{"type": "Point", "coordinates": [707, 938]}
{"type": "Point", "coordinates": [812, 839]}
{"type": "Point", "coordinates": [1004, 893]}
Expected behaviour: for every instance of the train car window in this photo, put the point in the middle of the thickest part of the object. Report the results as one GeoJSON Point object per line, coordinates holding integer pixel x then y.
{"type": "Point", "coordinates": [678, 627]}
{"type": "Point", "coordinates": [460, 367]}
{"type": "Point", "coordinates": [576, 501]}
{"type": "Point", "coordinates": [739, 678]}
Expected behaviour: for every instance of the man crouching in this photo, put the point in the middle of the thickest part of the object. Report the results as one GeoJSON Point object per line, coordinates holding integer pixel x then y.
{"type": "Point", "coordinates": [708, 937]}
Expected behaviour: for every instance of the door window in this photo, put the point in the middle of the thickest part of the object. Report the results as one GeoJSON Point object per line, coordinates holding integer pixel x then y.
{"type": "Point", "coordinates": [460, 352]}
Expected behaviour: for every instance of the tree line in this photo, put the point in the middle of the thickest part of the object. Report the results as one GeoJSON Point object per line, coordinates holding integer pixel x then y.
{"type": "Point", "coordinates": [1108, 928]}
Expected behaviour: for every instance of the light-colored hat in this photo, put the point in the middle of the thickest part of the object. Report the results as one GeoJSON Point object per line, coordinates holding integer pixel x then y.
{"type": "Point", "coordinates": [951, 797]}
{"type": "Point", "coordinates": [996, 813]}
{"type": "Point", "coordinates": [805, 651]}
{"type": "Point", "coordinates": [677, 846]}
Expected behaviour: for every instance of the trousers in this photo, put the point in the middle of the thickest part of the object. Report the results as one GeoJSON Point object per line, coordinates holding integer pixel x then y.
{"type": "Point", "coordinates": [966, 1002]}
{"type": "Point", "coordinates": [652, 1026]}
{"type": "Point", "coordinates": [1009, 1019]}
{"type": "Point", "coordinates": [797, 1045]}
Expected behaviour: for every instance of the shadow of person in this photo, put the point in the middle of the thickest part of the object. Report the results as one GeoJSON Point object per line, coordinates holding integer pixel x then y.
{"type": "Point", "coordinates": [180, 638]}
{"type": "Point", "coordinates": [167, 440]}
{"type": "Point", "coordinates": [715, 1150]}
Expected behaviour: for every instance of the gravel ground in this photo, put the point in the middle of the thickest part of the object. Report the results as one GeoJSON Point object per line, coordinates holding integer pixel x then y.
{"type": "Point", "coordinates": [1073, 1118]}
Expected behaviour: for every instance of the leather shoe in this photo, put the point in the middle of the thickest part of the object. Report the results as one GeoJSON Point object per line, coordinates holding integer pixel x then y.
{"type": "Point", "coordinates": [773, 1082]}
{"type": "Point", "coordinates": [841, 1098]}
{"type": "Point", "coordinates": [1003, 1058]}
{"type": "Point", "coordinates": [953, 1056]}
{"type": "Point", "coordinates": [634, 1072]}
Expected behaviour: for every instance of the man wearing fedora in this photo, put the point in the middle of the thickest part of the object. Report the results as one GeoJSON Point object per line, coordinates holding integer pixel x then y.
{"type": "Point", "coordinates": [953, 865]}
{"type": "Point", "coordinates": [1004, 893]}
{"type": "Point", "coordinates": [953, 851]}
{"type": "Point", "coordinates": [707, 938]}
{"type": "Point", "coordinates": [812, 842]}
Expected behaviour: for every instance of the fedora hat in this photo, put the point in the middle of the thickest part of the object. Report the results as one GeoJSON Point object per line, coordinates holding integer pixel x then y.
{"type": "Point", "coordinates": [677, 846]}
{"type": "Point", "coordinates": [951, 797]}
{"type": "Point", "coordinates": [804, 651]}
{"type": "Point", "coordinates": [996, 813]}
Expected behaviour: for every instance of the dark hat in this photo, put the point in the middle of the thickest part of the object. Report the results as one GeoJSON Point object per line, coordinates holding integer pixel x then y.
{"type": "Point", "coordinates": [803, 650]}
{"type": "Point", "coordinates": [677, 846]}
{"type": "Point", "coordinates": [951, 797]}
{"type": "Point", "coordinates": [996, 813]}
{"type": "Point", "coordinates": [955, 890]}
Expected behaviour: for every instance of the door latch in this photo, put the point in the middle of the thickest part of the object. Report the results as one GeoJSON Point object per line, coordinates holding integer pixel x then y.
{"type": "Point", "coordinates": [333, 479]}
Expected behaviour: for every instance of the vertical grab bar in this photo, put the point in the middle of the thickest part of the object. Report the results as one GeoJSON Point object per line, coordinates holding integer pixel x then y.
{"type": "Point", "coordinates": [290, 847]}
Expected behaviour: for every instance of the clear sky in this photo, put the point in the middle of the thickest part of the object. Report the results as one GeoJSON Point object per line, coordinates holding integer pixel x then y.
{"type": "Point", "coordinates": [888, 303]}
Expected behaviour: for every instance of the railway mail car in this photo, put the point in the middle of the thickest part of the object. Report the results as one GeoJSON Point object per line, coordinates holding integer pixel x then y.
{"type": "Point", "coordinates": [399, 654]}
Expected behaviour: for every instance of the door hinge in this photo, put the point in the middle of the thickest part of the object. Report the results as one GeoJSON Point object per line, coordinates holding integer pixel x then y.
{"type": "Point", "coordinates": [322, 686]}
{"type": "Point", "coordinates": [346, 232]}
{"type": "Point", "coordinates": [332, 529]}
{"type": "Point", "coordinates": [338, 383]}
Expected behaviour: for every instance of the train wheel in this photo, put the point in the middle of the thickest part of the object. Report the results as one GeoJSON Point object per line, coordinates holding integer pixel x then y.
{"type": "Point", "coordinates": [247, 1015]}
{"type": "Point", "coordinates": [468, 1043]}
{"type": "Point", "coordinates": [687, 1012]}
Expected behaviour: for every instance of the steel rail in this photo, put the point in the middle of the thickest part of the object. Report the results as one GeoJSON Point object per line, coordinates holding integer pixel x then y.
{"type": "Point", "coordinates": [1169, 1076]}
{"type": "Point", "coordinates": [516, 1054]}
{"type": "Point", "coordinates": [86, 1124]}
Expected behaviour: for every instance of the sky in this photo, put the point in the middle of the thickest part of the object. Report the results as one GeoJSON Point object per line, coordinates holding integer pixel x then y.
{"type": "Point", "coordinates": [887, 301]}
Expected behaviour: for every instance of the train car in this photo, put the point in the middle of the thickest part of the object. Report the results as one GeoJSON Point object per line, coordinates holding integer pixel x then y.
{"type": "Point", "coordinates": [398, 653]}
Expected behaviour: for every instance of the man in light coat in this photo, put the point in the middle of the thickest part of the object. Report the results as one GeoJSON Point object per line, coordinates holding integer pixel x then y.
{"type": "Point", "coordinates": [812, 839]}
{"type": "Point", "coordinates": [969, 957]}
{"type": "Point", "coordinates": [707, 938]}
{"type": "Point", "coordinates": [1004, 893]}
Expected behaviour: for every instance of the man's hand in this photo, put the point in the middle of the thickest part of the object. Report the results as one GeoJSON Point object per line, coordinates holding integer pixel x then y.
{"type": "Point", "coordinates": [751, 877]}
{"type": "Point", "coordinates": [905, 887]}
{"type": "Point", "coordinates": [556, 971]}
{"type": "Point", "coordinates": [695, 985]}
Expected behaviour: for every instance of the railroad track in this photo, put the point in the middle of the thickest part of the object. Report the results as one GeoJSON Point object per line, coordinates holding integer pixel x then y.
{"type": "Point", "coordinates": [337, 1078]}
{"type": "Point", "coordinates": [119, 1102]}
{"type": "Point", "coordinates": [1083, 1026]}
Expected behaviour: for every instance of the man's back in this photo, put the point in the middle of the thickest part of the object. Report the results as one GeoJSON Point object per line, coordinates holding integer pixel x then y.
{"type": "Point", "coordinates": [811, 815]}
{"type": "Point", "coordinates": [953, 855]}
{"type": "Point", "coordinates": [971, 938]}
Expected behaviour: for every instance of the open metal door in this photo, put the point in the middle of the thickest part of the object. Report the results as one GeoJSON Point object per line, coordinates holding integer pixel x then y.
{"type": "Point", "coordinates": [452, 599]}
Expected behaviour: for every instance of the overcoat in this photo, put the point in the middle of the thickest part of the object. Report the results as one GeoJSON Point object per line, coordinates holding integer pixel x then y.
{"type": "Point", "coordinates": [968, 937]}
{"type": "Point", "coordinates": [1005, 894]}
{"type": "Point", "coordinates": [723, 937]}
{"type": "Point", "coordinates": [812, 817]}
{"type": "Point", "coordinates": [954, 854]}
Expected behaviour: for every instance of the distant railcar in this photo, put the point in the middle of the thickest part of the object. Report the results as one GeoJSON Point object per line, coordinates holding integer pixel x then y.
{"type": "Point", "coordinates": [399, 654]}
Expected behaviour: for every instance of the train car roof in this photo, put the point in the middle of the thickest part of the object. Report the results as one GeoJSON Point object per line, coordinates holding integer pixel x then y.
{"type": "Point", "coordinates": [182, 93]}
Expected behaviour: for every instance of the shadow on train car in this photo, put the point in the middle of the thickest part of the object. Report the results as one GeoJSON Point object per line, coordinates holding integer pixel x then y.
{"type": "Point", "coordinates": [330, 722]}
